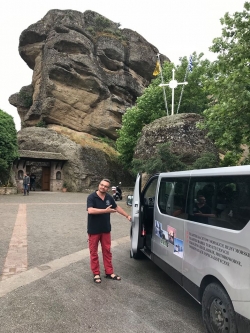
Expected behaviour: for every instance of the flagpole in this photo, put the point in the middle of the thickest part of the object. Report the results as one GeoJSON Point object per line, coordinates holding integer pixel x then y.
{"type": "Point", "coordinates": [173, 94]}
{"type": "Point", "coordinates": [182, 89]}
{"type": "Point", "coordinates": [164, 92]}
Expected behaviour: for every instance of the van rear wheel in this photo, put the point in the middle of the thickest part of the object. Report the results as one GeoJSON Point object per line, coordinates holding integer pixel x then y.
{"type": "Point", "coordinates": [217, 310]}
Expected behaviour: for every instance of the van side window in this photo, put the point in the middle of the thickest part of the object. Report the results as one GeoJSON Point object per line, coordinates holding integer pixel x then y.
{"type": "Point", "coordinates": [172, 197]}
{"type": "Point", "coordinates": [222, 201]}
{"type": "Point", "coordinates": [147, 209]}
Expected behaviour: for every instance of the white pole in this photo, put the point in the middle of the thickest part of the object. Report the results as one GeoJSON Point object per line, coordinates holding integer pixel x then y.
{"type": "Point", "coordinates": [164, 92]}
{"type": "Point", "coordinates": [182, 89]}
{"type": "Point", "coordinates": [173, 96]}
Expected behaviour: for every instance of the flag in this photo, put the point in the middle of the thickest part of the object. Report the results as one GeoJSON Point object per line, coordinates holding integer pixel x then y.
{"type": "Point", "coordinates": [190, 64]}
{"type": "Point", "coordinates": [157, 68]}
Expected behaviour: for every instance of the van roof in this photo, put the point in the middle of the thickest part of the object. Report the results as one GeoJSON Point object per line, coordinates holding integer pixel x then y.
{"type": "Point", "coordinates": [234, 170]}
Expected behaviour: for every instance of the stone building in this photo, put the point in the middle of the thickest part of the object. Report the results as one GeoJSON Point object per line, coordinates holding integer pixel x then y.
{"type": "Point", "coordinates": [46, 166]}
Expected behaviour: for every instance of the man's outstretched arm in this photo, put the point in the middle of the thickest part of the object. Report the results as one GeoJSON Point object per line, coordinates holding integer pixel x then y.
{"type": "Point", "coordinates": [122, 212]}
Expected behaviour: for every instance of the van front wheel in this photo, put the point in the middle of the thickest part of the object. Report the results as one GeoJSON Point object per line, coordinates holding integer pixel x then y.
{"type": "Point", "coordinates": [217, 310]}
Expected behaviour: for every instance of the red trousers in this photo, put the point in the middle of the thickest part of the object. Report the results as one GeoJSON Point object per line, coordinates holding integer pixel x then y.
{"type": "Point", "coordinates": [105, 240]}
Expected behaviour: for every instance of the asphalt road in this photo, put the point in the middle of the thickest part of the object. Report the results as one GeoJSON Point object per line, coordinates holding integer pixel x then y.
{"type": "Point", "coordinates": [52, 291]}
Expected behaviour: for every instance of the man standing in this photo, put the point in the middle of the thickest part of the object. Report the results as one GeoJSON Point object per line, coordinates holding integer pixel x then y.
{"type": "Point", "coordinates": [26, 184]}
{"type": "Point", "coordinates": [100, 205]}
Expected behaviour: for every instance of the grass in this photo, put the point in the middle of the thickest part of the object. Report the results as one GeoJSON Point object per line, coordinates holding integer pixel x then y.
{"type": "Point", "coordinates": [86, 140]}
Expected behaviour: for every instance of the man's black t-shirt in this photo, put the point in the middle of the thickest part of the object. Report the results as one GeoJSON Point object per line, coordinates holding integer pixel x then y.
{"type": "Point", "coordinates": [99, 223]}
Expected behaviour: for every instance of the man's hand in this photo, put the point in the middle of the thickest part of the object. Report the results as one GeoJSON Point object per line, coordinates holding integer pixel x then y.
{"type": "Point", "coordinates": [109, 209]}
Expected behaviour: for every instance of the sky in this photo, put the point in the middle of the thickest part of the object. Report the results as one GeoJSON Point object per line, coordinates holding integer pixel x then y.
{"type": "Point", "coordinates": [177, 28]}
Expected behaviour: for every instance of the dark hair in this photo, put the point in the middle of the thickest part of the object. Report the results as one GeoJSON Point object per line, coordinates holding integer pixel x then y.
{"type": "Point", "coordinates": [105, 180]}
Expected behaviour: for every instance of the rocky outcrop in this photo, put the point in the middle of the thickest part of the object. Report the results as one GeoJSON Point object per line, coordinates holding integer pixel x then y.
{"type": "Point", "coordinates": [181, 131]}
{"type": "Point", "coordinates": [86, 72]}
{"type": "Point", "coordinates": [23, 101]}
{"type": "Point", "coordinates": [89, 159]}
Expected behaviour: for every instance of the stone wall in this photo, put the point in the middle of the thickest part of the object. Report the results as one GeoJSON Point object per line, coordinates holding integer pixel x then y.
{"type": "Point", "coordinates": [8, 190]}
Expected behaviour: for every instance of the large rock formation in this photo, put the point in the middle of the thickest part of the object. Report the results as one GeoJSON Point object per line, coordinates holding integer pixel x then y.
{"type": "Point", "coordinates": [86, 72]}
{"type": "Point", "coordinates": [187, 140]}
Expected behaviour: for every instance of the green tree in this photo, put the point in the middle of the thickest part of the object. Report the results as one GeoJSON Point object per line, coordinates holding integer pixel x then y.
{"type": "Point", "coordinates": [150, 106]}
{"type": "Point", "coordinates": [206, 160]}
{"type": "Point", "coordinates": [165, 160]}
{"type": "Point", "coordinates": [195, 94]}
{"type": "Point", "coordinates": [8, 145]}
{"type": "Point", "coordinates": [228, 117]}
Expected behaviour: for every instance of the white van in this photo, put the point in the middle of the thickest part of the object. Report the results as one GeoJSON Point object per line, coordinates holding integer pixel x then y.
{"type": "Point", "coordinates": [195, 226]}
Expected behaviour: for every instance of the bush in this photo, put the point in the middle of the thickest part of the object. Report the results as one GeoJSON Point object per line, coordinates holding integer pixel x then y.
{"type": "Point", "coordinates": [26, 99]}
{"type": "Point", "coordinates": [41, 123]}
{"type": "Point", "coordinates": [8, 146]}
{"type": "Point", "coordinates": [164, 161]}
{"type": "Point", "coordinates": [102, 23]}
{"type": "Point", "coordinates": [206, 161]}
{"type": "Point", "coordinates": [91, 30]}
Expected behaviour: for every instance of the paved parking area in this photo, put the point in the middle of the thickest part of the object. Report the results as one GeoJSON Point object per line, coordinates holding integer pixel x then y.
{"type": "Point", "coordinates": [46, 284]}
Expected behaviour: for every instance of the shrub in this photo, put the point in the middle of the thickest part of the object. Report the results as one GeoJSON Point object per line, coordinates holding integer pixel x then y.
{"type": "Point", "coordinates": [26, 99]}
{"type": "Point", "coordinates": [41, 123]}
{"type": "Point", "coordinates": [8, 146]}
{"type": "Point", "coordinates": [164, 160]}
{"type": "Point", "coordinates": [207, 160]}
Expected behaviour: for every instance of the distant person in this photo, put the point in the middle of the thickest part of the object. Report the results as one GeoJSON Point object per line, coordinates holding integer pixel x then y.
{"type": "Point", "coordinates": [100, 205]}
{"type": "Point", "coordinates": [202, 211]}
{"type": "Point", "coordinates": [26, 184]}
{"type": "Point", "coordinates": [119, 190]}
{"type": "Point", "coordinates": [33, 182]}
{"type": "Point", "coordinates": [208, 192]}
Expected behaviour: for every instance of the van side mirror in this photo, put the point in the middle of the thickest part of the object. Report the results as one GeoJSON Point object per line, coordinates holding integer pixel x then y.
{"type": "Point", "coordinates": [129, 200]}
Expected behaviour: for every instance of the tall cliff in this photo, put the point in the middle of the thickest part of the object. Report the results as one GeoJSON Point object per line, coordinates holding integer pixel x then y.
{"type": "Point", "coordinates": [86, 73]}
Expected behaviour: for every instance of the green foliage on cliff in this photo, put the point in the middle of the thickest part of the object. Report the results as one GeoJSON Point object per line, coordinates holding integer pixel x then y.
{"type": "Point", "coordinates": [104, 27]}
{"type": "Point", "coordinates": [102, 22]}
{"type": "Point", "coordinates": [8, 146]}
{"type": "Point", "coordinates": [164, 161]}
{"type": "Point", "coordinates": [41, 123]}
{"type": "Point", "coordinates": [205, 161]}
{"type": "Point", "coordinates": [25, 99]}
